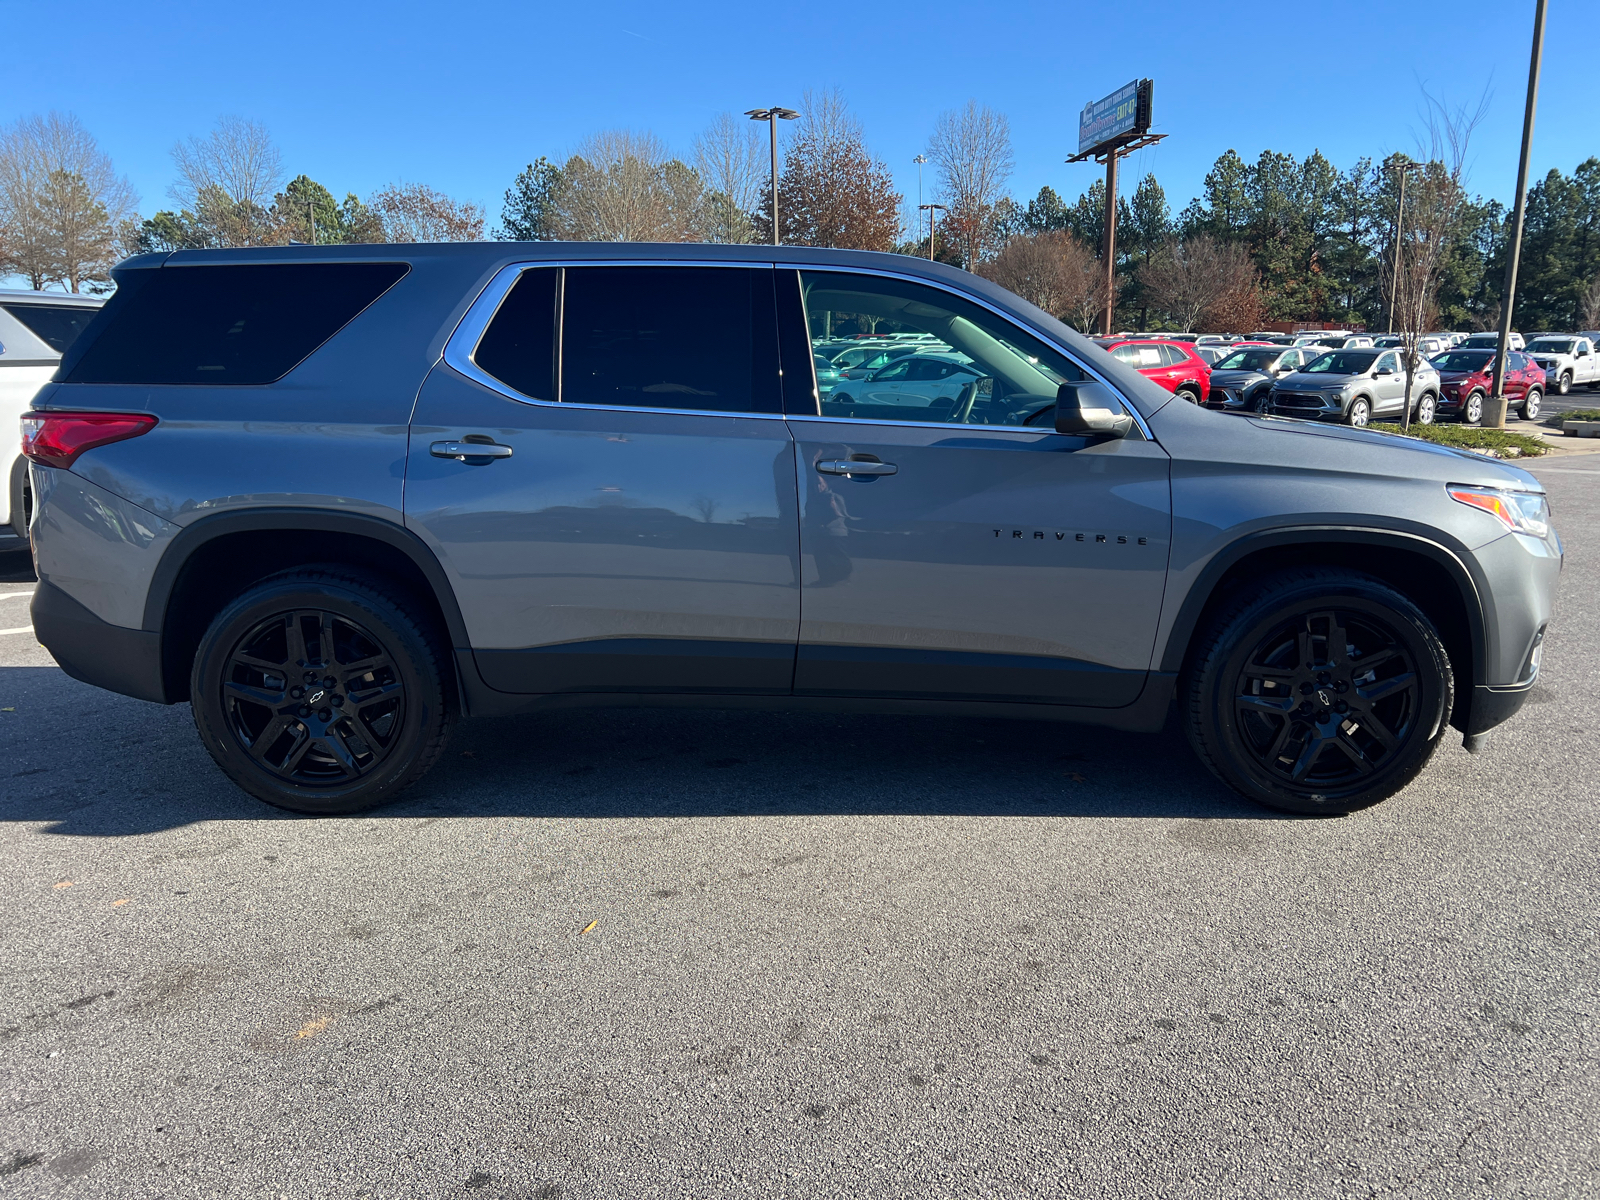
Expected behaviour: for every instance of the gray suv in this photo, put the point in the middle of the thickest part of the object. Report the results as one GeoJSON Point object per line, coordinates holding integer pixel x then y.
{"type": "Point", "coordinates": [1355, 386]}
{"type": "Point", "coordinates": [336, 498]}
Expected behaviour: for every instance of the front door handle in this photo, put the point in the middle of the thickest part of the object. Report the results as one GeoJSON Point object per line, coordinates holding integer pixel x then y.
{"type": "Point", "coordinates": [461, 451]}
{"type": "Point", "coordinates": [852, 467]}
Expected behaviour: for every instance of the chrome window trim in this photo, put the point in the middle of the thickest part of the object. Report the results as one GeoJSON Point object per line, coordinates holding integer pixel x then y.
{"type": "Point", "coordinates": [1132, 409]}
{"type": "Point", "coordinates": [463, 342]}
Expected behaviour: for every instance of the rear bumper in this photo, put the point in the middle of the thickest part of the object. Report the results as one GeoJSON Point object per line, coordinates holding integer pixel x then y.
{"type": "Point", "coordinates": [95, 651]}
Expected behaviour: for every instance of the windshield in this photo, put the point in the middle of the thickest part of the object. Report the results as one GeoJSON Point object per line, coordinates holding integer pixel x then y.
{"type": "Point", "coordinates": [1342, 362]}
{"type": "Point", "coordinates": [1462, 360]}
{"type": "Point", "coordinates": [1551, 345]}
{"type": "Point", "coordinates": [1249, 360]}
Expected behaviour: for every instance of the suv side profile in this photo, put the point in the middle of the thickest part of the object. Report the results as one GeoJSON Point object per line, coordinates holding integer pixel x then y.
{"type": "Point", "coordinates": [337, 498]}
{"type": "Point", "coordinates": [1175, 366]}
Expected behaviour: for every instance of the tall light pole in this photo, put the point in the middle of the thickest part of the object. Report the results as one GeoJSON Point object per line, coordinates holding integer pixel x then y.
{"type": "Point", "coordinates": [1494, 412]}
{"type": "Point", "coordinates": [919, 160]}
{"type": "Point", "coordinates": [772, 116]}
{"type": "Point", "coordinates": [933, 210]}
{"type": "Point", "coordinates": [1406, 166]}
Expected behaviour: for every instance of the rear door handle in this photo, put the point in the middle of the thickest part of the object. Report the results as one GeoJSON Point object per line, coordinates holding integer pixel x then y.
{"type": "Point", "coordinates": [852, 467]}
{"type": "Point", "coordinates": [461, 451]}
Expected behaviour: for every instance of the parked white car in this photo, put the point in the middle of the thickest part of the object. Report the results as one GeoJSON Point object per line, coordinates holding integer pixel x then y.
{"type": "Point", "coordinates": [1490, 341]}
{"type": "Point", "coordinates": [916, 381]}
{"type": "Point", "coordinates": [1568, 360]}
{"type": "Point", "coordinates": [35, 330]}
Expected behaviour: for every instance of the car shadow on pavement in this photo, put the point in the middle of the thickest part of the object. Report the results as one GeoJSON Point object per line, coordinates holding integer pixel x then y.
{"type": "Point", "coordinates": [138, 768]}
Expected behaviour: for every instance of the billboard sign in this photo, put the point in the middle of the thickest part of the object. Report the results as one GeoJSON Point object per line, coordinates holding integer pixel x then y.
{"type": "Point", "coordinates": [1126, 111]}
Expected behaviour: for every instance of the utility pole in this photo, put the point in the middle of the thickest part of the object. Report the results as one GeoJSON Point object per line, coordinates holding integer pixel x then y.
{"type": "Point", "coordinates": [1111, 243]}
{"type": "Point", "coordinates": [772, 116]}
{"type": "Point", "coordinates": [933, 210]}
{"type": "Point", "coordinates": [1494, 412]}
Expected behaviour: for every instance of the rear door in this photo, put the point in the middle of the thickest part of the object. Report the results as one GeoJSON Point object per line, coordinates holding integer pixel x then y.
{"type": "Point", "coordinates": [602, 468]}
{"type": "Point", "coordinates": [971, 552]}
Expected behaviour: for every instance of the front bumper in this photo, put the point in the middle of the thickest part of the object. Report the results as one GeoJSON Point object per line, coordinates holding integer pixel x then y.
{"type": "Point", "coordinates": [1308, 406]}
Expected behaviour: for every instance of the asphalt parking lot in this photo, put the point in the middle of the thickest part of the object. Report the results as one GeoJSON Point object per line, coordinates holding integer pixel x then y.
{"type": "Point", "coordinates": [642, 953]}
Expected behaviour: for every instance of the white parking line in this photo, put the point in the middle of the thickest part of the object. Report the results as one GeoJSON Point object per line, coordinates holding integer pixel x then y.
{"type": "Point", "coordinates": [18, 629]}
{"type": "Point", "coordinates": [14, 595]}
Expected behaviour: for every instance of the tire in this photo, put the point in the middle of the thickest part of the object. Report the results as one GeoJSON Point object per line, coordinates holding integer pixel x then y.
{"type": "Point", "coordinates": [1427, 409]}
{"type": "Point", "coordinates": [262, 669]}
{"type": "Point", "coordinates": [1472, 409]}
{"type": "Point", "coordinates": [1189, 394]}
{"type": "Point", "coordinates": [1564, 383]}
{"type": "Point", "coordinates": [1360, 412]}
{"type": "Point", "coordinates": [21, 498]}
{"type": "Point", "coordinates": [1530, 405]}
{"type": "Point", "coordinates": [1318, 748]}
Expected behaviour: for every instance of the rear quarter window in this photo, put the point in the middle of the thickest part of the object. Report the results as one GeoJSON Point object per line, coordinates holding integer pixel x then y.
{"type": "Point", "coordinates": [250, 324]}
{"type": "Point", "coordinates": [57, 326]}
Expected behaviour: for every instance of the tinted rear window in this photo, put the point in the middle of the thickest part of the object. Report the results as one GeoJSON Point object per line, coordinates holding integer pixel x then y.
{"type": "Point", "coordinates": [670, 337]}
{"type": "Point", "coordinates": [56, 326]}
{"type": "Point", "coordinates": [227, 325]}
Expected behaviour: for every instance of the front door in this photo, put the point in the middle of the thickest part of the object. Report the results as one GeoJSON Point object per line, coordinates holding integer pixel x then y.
{"type": "Point", "coordinates": [965, 550]}
{"type": "Point", "coordinates": [607, 479]}
{"type": "Point", "coordinates": [1389, 391]}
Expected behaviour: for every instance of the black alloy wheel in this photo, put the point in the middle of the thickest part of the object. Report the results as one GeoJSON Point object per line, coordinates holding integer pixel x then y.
{"type": "Point", "coordinates": [1319, 692]}
{"type": "Point", "coordinates": [319, 692]}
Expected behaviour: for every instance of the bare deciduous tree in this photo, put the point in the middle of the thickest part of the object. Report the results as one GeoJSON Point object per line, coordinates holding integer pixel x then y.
{"type": "Point", "coordinates": [228, 178]}
{"type": "Point", "coordinates": [623, 186]}
{"type": "Point", "coordinates": [1201, 282]}
{"type": "Point", "coordinates": [1590, 303]}
{"type": "Point", "coordinates": [972, 148]}
{"type": "Point", "coordinates": [62, 204]}
{"type": "Point", "coordinates": [1436, 204]}
{"type": "Point", "coordinates": [1053, 271]}
{"type": "Point", "coordinates": [832, 192]}
{"type": "Point", "coordinates": [414, 212]}
{"type": "Point", "coordinates": [730, 159]}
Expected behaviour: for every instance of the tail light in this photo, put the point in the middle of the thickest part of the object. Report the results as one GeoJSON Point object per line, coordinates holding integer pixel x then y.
{"type": "Point", "coordinates": [57, 438]}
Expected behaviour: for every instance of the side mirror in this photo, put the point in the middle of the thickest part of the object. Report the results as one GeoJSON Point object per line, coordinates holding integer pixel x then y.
{"type": "Point", "coordinates": [1385, 371]}
{"type": "Point", "coordinates": [1090, 410]}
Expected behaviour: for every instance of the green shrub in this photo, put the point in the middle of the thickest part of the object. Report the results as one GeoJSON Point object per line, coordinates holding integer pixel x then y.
{"type": "Point", "coordinates": [1470, 437]}
{"type": "Point", "coordinates": [1577, 414]}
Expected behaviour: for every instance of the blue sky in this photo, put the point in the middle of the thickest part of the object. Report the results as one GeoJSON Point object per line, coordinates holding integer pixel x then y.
{"type": "Point", "coordinates": [461, 95]}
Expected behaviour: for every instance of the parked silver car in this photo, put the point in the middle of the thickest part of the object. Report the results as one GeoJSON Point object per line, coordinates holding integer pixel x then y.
{"type": "Point", "coordinates": [1354, 386]}
{"type": "Point", "coordinates": [335, 498]}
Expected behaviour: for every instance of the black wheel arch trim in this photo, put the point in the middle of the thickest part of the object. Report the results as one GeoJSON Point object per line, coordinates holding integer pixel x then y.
{"type": "Point", "coordinates": [1185, 625]}
{"type": "Point", "coordinates": [321, 520]}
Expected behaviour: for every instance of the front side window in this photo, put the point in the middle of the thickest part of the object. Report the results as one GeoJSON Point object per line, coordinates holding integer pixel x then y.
{"type": "Point", "coordinates": [1388, 363]}
{"type": "Point", "coordinates": [993, 372]}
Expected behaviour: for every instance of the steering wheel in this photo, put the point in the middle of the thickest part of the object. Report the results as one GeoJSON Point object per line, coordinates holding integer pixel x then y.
{"type": "Point", "coordinates": [961, 411]}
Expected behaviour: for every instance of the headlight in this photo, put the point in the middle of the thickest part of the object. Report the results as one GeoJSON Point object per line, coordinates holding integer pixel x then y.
{"type": "Point", "coordinates": [1520, 512]}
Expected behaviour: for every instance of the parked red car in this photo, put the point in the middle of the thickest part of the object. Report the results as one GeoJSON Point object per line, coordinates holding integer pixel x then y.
{"type": "Point", "coordinates": [1466, 377]}
{"type": "Point", "coordinates": [1174, 365]}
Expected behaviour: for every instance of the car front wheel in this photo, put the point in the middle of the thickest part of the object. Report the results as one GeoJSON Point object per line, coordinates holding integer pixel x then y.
{"type": "Point", "coordinates": [1472, 409]}
{"type": "Point", "coordinates": [1564, 383]}
{"type": "Point", "coordinates": [320, 691]}
{"type": "Point", "coordinates": [1318, 691]}
{"type": "Point", "coordinates": [1530, 405]}
{"type": "Point", "coordinates": [1360, 412]}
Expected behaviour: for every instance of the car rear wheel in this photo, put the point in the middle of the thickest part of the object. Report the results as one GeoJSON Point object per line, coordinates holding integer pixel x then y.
{"type": "Point", "coordinates": [1360, 412]}
{"type": "Point", "coordinates": [1192, 395]}
{"type": "Point", "coordinates": [321, 692]}
{"type": "Point", "coordinates": [1530, 405]}
{"type": "Point", "coordinates": [1472, 409]}
{"type": "Point", "coordinates": [1427, 409]}
{"type": "Point", "coordinates": [1318, 691]}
